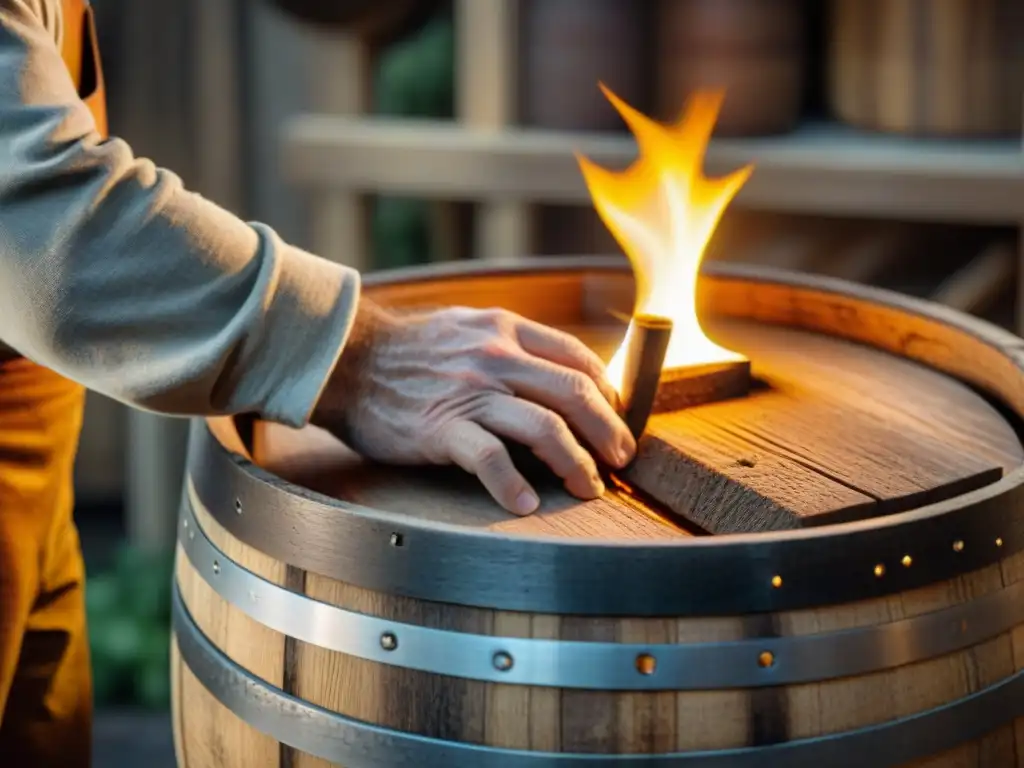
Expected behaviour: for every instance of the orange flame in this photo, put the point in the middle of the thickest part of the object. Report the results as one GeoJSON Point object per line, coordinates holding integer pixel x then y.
{"type": "Point", "coordinates": [663, 211]}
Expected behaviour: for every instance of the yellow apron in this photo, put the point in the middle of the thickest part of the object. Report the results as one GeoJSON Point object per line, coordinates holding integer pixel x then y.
{"type": "Point", "coordinates": [45, 680]}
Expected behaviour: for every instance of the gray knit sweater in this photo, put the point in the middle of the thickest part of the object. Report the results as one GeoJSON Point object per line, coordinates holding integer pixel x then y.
{"type": "Point", "coordinates": [114, 275]}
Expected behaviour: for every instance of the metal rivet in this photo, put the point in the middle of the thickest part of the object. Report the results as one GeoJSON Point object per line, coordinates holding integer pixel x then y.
{"type": "Point", "coordinates": [999, 542]}
{"type": "Point", "coordinates": [191, 534]}
{"type": "Point", "coordinates": [646, 664]}
{"type": "Point", "coordinates": [879, 570]}
{"type": "Point", "coordinates": [958, 545]}
{"type": "Point", "coordinates": [776, 581]}
{"type": "Point", "coordinates": [238, 506]}
{"type": "Point", "coordinates": [396, 540]}
{"type": "Point", "coordinates": [502, 661]}
{"type": "Point", "coordinates": [766, 659]}
{"type": "Point", "coordinates": [216, 567]}
{"type": "Point", "coordinates": [184, 523]}
{"type": "Point", "coordinates": [907, 561]}
{"type": "Point", "coordinates": [388, 641]}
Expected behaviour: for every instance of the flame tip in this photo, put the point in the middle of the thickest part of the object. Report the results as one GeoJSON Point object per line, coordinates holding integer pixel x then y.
{"type": "Point", "coordinates": [663, 210]}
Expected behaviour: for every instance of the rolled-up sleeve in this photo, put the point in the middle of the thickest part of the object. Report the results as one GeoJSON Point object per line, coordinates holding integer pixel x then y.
{"type": "Point", "coordinates": [114, 275]}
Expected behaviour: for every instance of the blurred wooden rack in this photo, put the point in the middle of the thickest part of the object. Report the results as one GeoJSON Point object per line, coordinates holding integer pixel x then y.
{"type": "Point", "coordinates": [819, 169]}
{"type": "Point", "coordinates": [483, 158]}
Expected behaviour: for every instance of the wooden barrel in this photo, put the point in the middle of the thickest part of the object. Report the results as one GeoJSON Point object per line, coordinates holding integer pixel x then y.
{"type": "Point", "coordinates": [329, 611]}
{"type": "Point", "coordinates": [754, 49]}
{"type": "Point", "coordinates": [953, 68]}
{"type": "Point", "coordinates": [566, 48]}
{"type": "Point", "coordinates": [376, 21]}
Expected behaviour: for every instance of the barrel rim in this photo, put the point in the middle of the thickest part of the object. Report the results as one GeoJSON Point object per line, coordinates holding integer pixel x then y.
{"type": "Point", "coordinates": [347, 741]}
{"type": "Point", "coordinates": [739, 573]}
{"type": "Point", "coordinates": [752, 661]}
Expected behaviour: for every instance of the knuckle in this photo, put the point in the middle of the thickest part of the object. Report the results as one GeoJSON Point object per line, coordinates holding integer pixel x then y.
{"type": "Point", "coordinates": [551, 427]}
{"type": "Point", "coordinates": [579, 385]}
{"type": "Point", "coordinates": [456, 314]}
{"type": "Point", "coordinates": [492, 456]}
{"type": "Point", "coordinates": [578, 348]}
{"type": "Point", "coordinates": [494, 352]}
{"type": "Point", "coordinates": [500, 319]}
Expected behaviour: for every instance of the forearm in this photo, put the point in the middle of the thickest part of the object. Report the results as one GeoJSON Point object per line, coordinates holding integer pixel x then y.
{"type": "Point", "coordinates": [114, 275]}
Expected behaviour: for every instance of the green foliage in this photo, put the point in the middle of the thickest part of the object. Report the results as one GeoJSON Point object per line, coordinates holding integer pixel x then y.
{"type": "Point", "coordinates": [416, 79]}
{"type": "Point", "coordinates": [128, 609]}
{"type": "Point", "coordinates": [416, 76]}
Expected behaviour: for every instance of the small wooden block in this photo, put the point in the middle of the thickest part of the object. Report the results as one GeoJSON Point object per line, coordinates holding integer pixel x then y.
{"type": "Point", "coordinates": [681, 388]}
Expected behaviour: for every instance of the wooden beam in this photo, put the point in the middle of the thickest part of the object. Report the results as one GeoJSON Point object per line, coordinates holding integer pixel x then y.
{"type": "Point", "coordinates": [487, 91]}
{"type": "Point", "coordinates": [984, 279]}
{"type": "Point", "coordinates": [341, 68]}
{"type": "Point", "coordinates": [486, 63]}
{"type": "Point", "coordinates": [218, 104]}
{"type": "Point", "coordinates": [872, 252]}
{"type": "Point", "coordinates": [1020, 278]}
{"type": "Point", "coordinates": [826, 170]}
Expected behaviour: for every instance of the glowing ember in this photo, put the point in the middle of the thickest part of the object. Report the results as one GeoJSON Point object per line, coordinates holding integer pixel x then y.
{"type": "Point", "coordinates": [663, 211]}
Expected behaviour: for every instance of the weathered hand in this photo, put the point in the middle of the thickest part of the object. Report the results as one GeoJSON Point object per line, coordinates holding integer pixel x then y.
{"type": "Point", "coordinates": [444, 387]}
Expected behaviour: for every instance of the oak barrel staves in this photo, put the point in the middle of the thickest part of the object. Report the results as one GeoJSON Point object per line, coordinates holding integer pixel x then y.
{"type": "Point", "coordinates": [835, 629]}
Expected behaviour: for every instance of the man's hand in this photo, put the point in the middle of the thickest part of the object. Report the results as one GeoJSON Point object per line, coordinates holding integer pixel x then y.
{"type": "Point", "coordinates": [443, 387]}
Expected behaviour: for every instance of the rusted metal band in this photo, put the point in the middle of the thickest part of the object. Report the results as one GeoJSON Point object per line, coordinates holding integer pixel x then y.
{"type": "Point", "coordinates": [345, 741]}
{"type": "Point", "coordinates": [749, 663]}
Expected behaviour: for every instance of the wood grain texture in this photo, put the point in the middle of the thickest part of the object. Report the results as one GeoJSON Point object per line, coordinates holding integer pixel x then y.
{"type": "Point", "coordinates": [954, 68]}
{"type": "Point", "coordinates": [892, 397]}
{"type": "Point", "coordinates": [209, 734]}
{"type": "Point", "coordinates": [600, 722]}
{"type": "Point", "coordinates": [789, 454]}
{"type": "Point", "coordinates": [312, 458]}
{"type": "Point", "coordinates": [681, 388]}
{"type": "Point", "coordinates": [792, 453]}
{"type": "Point", "coordinates": [753, 50]}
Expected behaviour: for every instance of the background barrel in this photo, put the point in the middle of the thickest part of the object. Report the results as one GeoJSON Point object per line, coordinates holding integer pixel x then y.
{"type": "Point", "coordinates": [929, 674]}
{"type": "Point", "coordinates": [567, 47]}
{"type": "Point", "coordinates": [954, 68]}
{"type": "Point", "coordinates": [754, 49]}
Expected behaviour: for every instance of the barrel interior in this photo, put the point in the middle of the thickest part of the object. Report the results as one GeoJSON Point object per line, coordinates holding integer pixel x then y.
{"type": "Point", "coordinates": [856, 416]}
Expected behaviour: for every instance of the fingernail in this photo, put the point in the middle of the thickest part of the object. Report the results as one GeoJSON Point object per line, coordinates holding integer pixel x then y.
{"type": "Point", "coordinates": [625, 453]}
{"type": "Point", "coordinates": [527, 502]}
{"type": "Point", "coordinates": [599, 486]}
